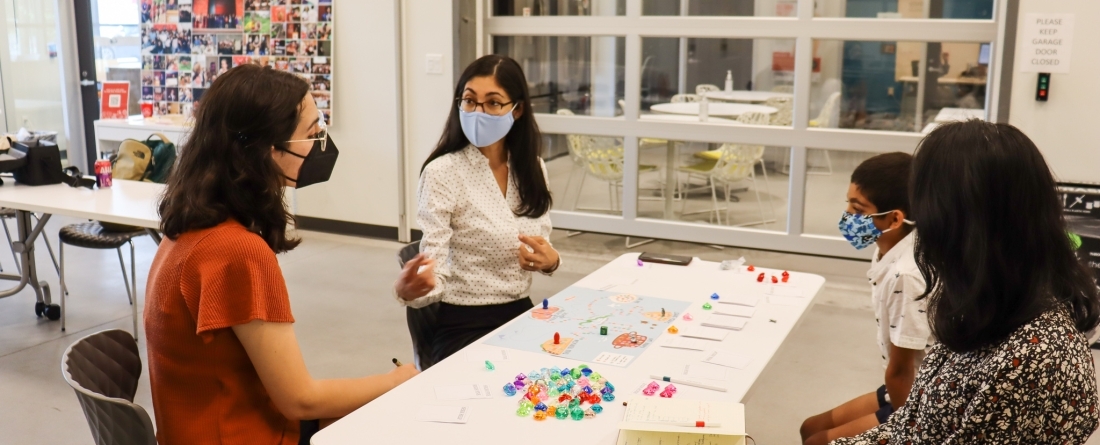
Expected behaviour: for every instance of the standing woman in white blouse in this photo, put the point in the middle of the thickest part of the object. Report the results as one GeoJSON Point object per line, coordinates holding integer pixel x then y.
{"type": "Point", "coordinates": [484, 208]}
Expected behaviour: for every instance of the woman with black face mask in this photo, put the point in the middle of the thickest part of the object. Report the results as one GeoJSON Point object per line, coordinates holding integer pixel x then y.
{"type": "Point", "coordinates": [224, 363]}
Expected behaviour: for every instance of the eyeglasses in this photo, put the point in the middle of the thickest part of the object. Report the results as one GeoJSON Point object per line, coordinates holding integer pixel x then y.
{"type": "Point", "coordinates": [493, 107]}
{"type": "Point", "coordinates": [320, 135]}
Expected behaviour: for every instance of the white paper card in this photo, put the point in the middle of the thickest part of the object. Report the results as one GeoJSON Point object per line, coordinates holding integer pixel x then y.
{"type": "Point", "coordinates": [462, 392]}
{"type": "Point", "coordinates": [663, 415]}
{"type": "Point", "coordinates": [613, 359]}
{"type": "Point", "coordinates": [728, 359]}
{"type": "Point", "coordinates": [704, 371]}
{"type": "Point", "coordinates": [686, 343]}
{"type": "Point", "coordinates": [730, 322]}
{"type": "Point", "coordinates": [785, 291]}
{"type": "Point", "coordinates": [740, 300]}
{"type": "Point", "coordinates": [735, 310]}
{"type": "Point", "coordinates": [480, 355]}
{"type": "Point", "coordinates": [785, 301]}
{"type": "Point", "coordinates": [704, 333]}
{"type": "Point", "coordinates": [445, 414]}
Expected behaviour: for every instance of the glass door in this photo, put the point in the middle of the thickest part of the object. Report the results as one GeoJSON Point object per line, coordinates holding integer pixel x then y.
{"type": "Point", "coordinates": [31, 69]}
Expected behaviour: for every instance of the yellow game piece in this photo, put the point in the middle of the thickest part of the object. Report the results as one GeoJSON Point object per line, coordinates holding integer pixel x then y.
{"type": "Point", "coordinates": [672, 330]}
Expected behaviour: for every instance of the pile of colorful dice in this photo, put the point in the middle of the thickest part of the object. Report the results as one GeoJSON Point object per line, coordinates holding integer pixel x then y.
{"type": "Point", "coordinates": [561, 393]}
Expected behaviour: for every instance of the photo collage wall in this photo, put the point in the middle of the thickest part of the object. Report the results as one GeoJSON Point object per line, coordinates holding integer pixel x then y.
{"type": "Point", "coordinates": [186, 44]}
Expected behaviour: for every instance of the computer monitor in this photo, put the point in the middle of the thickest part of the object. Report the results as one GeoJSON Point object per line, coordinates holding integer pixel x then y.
{"type": "Point", "coordinates": [983, 54]}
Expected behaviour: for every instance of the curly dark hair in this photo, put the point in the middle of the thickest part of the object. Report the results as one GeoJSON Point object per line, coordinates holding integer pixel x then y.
{"type": "Point", "coordinates": [225, 168]}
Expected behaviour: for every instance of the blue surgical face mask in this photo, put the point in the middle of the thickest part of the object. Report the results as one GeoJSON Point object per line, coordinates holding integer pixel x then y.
{"type": "Point", "coordinates": [860, 229]}
{"type": "Point", "coordinates": [483, 129]}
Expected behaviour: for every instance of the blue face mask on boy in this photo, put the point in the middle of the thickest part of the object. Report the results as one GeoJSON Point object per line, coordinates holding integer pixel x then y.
{"type": "Point", "coordinates": [860, 229]}
{"type": "Point", "coordinates": [483, 129]}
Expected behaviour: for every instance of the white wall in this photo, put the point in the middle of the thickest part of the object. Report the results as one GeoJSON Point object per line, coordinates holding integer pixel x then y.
{"type": "Point", "coordinates": [428, 29]}
{"type": "Point", "coordinates": [363, 187]}
{"type": "Point", "coordinates": [1065, 128]}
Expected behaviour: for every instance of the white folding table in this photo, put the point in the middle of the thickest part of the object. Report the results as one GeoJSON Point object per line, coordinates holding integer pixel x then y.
{"type": "Point", "coordinates": [744, 95]}
{"type": "Point", "coordinates": [392, 417]}
{"type": "Point", "coordinates": [126, 202]}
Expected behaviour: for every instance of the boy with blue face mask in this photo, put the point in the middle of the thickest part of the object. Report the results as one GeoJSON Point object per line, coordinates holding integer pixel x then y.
{"type": "Point", "coordinates": [878, 208]}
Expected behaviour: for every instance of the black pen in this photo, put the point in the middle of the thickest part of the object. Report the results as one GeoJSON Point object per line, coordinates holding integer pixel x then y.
{"type": "Point", "coordinates": [396, 362]}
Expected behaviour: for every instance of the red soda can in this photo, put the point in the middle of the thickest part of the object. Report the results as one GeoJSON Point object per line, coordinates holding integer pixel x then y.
{"type": "Point", "coordinates": [103, 173]}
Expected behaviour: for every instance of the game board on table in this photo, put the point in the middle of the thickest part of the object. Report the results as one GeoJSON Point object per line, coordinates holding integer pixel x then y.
{"type": "Point", "coordinates": [577, 315]}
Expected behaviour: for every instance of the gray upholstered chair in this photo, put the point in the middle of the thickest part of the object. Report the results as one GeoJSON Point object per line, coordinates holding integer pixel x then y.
{"type": "Point", "coordinates": [103, 369]}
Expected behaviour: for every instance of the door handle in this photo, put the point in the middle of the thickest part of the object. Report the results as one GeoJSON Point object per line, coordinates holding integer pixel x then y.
{"type": "Point", "coordinates": [87, 83]}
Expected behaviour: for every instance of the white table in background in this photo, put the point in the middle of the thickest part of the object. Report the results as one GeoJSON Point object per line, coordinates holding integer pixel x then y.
{"type": "Point", "coordinates": [110, 132]}
{"type": "Point", "coordinates": [719, 109]}
{"type": "Point", "coordinates": [391, 419]}
{"type": "Point", "coordinates": [744, 95]}
{"type": "Point", "coordinates": [670, 158]}
{"type": "Point", "coordinates": [949, 114]}
{"type": "Point", "coordinates": [127, 202]}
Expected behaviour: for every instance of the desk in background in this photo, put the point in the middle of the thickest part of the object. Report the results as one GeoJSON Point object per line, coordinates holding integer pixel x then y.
{"type": "Point", "coordinates": [391, 418]}
{"type": "Point", "coordinates": [110, 132]}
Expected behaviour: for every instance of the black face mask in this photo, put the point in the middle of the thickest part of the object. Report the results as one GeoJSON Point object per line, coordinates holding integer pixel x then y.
{"type": "Point", "coordinates": [317, 165]}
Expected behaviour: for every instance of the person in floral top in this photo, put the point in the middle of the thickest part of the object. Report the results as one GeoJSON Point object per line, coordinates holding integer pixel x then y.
{"type": "Point", "coordinates": [1008, 300]}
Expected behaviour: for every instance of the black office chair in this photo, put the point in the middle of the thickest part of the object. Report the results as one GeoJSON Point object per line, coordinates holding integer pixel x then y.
{"type": "Point", "coordinates": [421, 321]}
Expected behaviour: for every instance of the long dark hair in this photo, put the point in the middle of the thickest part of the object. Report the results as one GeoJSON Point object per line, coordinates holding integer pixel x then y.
{"type": "Point", "coordinates": [225, 169]}
{"type": "Point", "coordinates": [991, 238]}
{"type": "Point", "coordinates": [523, 142]}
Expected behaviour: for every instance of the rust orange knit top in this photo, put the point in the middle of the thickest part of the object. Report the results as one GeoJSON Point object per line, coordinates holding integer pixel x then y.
{"type": "Point", "coordinates": [205, 389]}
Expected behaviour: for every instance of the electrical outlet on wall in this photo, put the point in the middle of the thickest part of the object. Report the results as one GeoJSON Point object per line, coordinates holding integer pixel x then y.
{"type": "Point", "coordinates": [433, 63]}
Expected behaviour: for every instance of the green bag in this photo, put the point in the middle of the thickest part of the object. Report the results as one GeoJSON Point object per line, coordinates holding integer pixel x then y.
{"type": "Point", "coordinates": [150, 160]}
{"type": "Point", "coordinates": [164, 158]}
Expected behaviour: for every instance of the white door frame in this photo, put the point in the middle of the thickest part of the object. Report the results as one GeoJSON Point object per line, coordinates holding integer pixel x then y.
{"type": "Point", "coordinates": [804, 29]}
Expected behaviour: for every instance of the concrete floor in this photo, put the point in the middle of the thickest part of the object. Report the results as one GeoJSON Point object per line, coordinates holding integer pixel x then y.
{"type": "Point", "coordinates": [348, 325]}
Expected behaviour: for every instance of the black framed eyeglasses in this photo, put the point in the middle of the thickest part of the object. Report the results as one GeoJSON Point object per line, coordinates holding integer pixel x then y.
{"type": "Point", "coordinates": [493, 107]}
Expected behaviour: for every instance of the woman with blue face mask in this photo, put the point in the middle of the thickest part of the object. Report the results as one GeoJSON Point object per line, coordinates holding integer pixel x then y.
{"type": "Point", "coordinates": [484, 205]}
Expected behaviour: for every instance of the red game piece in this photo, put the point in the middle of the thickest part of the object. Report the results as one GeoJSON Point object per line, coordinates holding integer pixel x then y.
{"type": "Point", "coordinates": [785, 278]}
{"type": "Point", "coordinates": [751, 268]}
{"type": "Point", "coordinates": [760, 278]}
{"type": "Point", "coordinates": [774, 279]}
{"type": "Point", "coordinates": [557, 338]}
{"type": "Point", "coordinates": [786, 274]}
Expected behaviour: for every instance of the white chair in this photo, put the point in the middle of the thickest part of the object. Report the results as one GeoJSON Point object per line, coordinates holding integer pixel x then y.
{"type": "Point", "coordinates": [735, 163]}
{"type": "Point", "coordinates": [784, 105]}
{"type": "Point", "coordinates": [704, 88]}
{"type": "Point", "coordinates": [685, 98]}
{"type": "Point", "coordinates": [828, 118]}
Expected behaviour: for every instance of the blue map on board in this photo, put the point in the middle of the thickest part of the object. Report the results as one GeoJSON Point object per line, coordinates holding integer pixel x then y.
{"type": "Point", "coordinates": [576, 314]}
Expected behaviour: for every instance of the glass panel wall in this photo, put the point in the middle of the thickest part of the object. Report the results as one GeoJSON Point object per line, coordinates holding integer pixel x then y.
{"type": "Point", "coordinates": [570, 75]}
{"type": "Point", "coordinates": [898, 86]}
{"type": "Point", "coordinates": [531, 8]}
{"type": "Point", "coordinates": [116, 27]}
{"type": "Point", "coordinates": [829, 173]}
{"type": "Point", "coordinates": [586, 172]}
{"type": "Point", "coordinates": [719, 183]}
{"type": "Point", "coordinates": [757, 8]}
{"type": "Point", "coordinates": [733, 76]}
{"type": "Point", "coordinates": [905, 9]}
{"type": "Point", "coordinates": [32, 75]}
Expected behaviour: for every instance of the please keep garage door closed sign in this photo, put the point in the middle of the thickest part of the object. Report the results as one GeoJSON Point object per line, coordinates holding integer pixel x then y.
{"type": "Point", "coordinates": [1045, 43]}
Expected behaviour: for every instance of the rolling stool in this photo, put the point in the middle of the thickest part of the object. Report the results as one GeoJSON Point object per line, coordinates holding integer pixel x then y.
{"type": "Point", "coordinates": [92, 235]}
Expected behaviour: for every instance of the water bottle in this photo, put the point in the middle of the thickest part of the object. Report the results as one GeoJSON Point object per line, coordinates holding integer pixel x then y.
{"type": "Point", "coordinates": [729, 81]}
{"type": "Point", "coordinates": [704, 109]}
